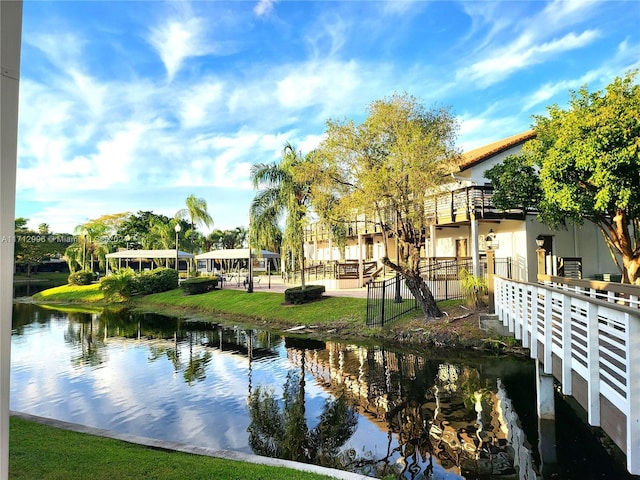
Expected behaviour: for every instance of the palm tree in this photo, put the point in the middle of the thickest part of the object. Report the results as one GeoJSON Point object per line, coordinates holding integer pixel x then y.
{"type": "Point", "coordinates": [196, 211]}
{"type": "Point", "coordinates": [283, 193]}
{"type": "Point", "coordinates": [90, 246]}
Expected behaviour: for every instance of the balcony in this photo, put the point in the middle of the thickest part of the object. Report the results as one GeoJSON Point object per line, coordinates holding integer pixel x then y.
{"type": "Point", "coordinates": [447, 208]}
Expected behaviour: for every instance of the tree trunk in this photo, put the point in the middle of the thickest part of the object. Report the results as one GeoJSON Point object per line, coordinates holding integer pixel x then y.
{"type": "Point", "coordinates": [423, 296]}
{"type": "Point", "coordinates": [631, 270]}
{"type": "Point", "coordinates": [619, 239]}
{"type": "Point", "coordinates": [302, 264]}
{"type": "Point", "coordinates": [418, 288]}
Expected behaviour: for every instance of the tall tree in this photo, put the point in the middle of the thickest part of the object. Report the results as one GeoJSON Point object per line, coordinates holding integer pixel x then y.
{"type": "Point", "coordinates": [383, 170]}
{"type": "Point", "coordinates": [34, 248]}
{"type": "Point", "coordinates": [284, 193]}
{"type": "Point", "coordinates": [196, 212]}
{"type": "Point", "coordinates": [95, 238]}
{"type": "Point", "coordinates": [584, 164]}
{"type": "Point", "coordinates": [134, 232]}
{"type": "Point", "coordinates": [220, 239]}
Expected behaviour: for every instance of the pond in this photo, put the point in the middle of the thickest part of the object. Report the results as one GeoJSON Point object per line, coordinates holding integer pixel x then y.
{"type": "Point", "coordinates": [363, 408]}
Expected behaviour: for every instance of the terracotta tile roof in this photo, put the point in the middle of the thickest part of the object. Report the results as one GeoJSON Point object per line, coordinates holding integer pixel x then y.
{"type": "Point", "coordinates": [478, 155]}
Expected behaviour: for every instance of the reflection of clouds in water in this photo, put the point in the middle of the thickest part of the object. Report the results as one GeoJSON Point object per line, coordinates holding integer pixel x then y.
{"type": "Point", "coordinates": [137, 389]}
{"type": "Point", "coordinates": [199, 396]}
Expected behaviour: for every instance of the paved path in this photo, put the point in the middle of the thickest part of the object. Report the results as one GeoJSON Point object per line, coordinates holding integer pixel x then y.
{"type": "Point", "coordinates": [277, 285]}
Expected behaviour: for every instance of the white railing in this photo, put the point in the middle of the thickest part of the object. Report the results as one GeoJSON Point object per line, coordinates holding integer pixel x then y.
{"type": "Point", "coordinates": [597, 340]}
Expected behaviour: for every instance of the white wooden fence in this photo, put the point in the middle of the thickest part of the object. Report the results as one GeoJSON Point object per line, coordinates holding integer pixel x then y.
{"type": "Point", "coordinates": [589, 339]}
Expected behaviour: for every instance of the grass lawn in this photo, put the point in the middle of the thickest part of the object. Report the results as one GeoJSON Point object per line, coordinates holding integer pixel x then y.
{"type": "Point", "coordinates": [257, 307]}
{"type": "Point", "coordinates": [45, 453]}
{"type": "Point", "coordinates": [50, 278]}
{"type": "Point", "coordinates": [71, 293]}
{"type": "Point", "coordinates": [264, 306]}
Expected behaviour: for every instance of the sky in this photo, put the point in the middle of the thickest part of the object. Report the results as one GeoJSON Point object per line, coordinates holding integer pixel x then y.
{"type": "Point", "coordinates": [130, 106]}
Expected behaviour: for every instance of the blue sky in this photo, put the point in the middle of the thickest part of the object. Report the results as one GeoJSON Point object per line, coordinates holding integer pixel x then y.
{"type": "Point", "coordinates": [128, 106]}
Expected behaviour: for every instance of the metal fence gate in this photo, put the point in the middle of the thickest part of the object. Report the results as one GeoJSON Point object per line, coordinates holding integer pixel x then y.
{"type": "Point", "coordinates": [389, 299]}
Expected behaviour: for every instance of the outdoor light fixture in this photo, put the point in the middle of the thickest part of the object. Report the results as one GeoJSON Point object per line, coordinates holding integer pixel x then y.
{"type": "Point", "coordinates": [540, 241]}
{"type": "Point", "coordinates": [489, 239]}
{"type": "Point", "coordinates": [177, 229]}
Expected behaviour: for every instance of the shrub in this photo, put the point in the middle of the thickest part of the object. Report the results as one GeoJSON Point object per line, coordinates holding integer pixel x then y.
{"type": "Point", "coordinates": [194, 286]}
{"type": "Point", "coordinates": [82, 277]}
{"type": "Point", "coordinates": [156, 281]}
{"type": "Point", "coordinates": [298, 295]}
{"type": "Point", "coordinates": [119, 286]}
{"type": "Point", "coordinates": [472, 288]}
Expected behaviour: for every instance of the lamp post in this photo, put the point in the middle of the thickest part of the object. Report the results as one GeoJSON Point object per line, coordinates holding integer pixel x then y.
{"type": "Point", "coordinates": [491, 270]}
{"type": "Point", "coordinates": [489, 239]}
{"type": "Point", "coordinates": [177, 229]}
{"type": "Point", "coordinates": [541, 254]}
{"type": "Point", "coordinates": [84, 249]}
{"type": "Point", "coordinates": [250, 279]}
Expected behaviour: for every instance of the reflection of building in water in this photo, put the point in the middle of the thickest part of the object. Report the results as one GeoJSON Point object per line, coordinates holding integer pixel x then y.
{"type": "Point", "coordinates": [434, 408]}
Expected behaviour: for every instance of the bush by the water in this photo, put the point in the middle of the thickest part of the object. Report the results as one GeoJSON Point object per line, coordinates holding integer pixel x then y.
{"type": "Point", "coordinates": [156, 281]}
{"type": "Point", "coordinates": [82, 277]}
{"type": "Point", "coordinates": [299, 295]}
{"type": "Point", "coordinates": [194, 286]}
{"type": "Point", "coordinates": [124, 283]}
{"type": "Point", "coordinates": [118, 286]}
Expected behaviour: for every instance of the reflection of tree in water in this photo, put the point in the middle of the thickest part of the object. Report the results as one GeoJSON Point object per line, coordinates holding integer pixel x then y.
{"type": "Point", "coordinates": [81, 332]}
{"type": "Point", "coordinates": [197, 365]}
{"type": "Point", "coordinates": [279, 429]}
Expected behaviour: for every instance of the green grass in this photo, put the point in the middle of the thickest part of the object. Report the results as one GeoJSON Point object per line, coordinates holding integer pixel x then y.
{"type": "Point", "coordinates": [51, 278]}
{"type": "Point", "coordinates": [260, 306]}
{"type": "Point", "coordinates": [71, 293]}
{"type": "Point", "coordinates": [264, 306]}
{"type": "Point", "coordinates": [45, 453]}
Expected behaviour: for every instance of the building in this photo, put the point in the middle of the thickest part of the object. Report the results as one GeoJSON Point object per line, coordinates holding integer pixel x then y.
{"type": "Point", "coordinates": [465, 223]}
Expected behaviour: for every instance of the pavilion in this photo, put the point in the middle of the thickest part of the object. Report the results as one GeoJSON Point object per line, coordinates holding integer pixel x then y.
{"type": "Point", "coordinates": [231, 258]}
{"type": "Point", "coordinates": [145, 258]}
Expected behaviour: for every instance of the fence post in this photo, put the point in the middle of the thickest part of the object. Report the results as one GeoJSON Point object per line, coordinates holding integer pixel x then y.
{"type": "Point", "coordinates": [398, 298]}
{"type": "Point", "coordinates": [384, 286]}
{"type": "Point", "coordinates": [491, 270]}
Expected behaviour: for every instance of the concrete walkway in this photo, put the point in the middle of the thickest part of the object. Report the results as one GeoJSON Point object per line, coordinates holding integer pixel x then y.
{"type": "Point", "coordinates": [277, 285]}
{"type": "Point", "coordinates": [195, 450]}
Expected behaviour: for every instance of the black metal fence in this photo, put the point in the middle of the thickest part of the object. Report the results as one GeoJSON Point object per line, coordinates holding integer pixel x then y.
{"type": "Point", "coordinates": [389, 299]}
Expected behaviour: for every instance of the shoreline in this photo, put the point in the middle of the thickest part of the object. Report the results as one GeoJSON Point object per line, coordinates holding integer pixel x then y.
{"type": "Point", "coordinates": [458, 328]}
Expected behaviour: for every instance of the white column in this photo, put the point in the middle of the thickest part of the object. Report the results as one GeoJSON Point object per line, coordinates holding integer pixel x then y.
{"type": "Point", "coordinates": [360, 263]}
{"type": "Point", "coordinates": [475, 247]}
{"type": "Point", "coordinates": [593, 366]}
{"type": "Point", "coordinates": [10, 38]}
{"type": "Point", "coordinates": [633, 399]}
{"type": "Point", "coordinates": [432, 233]}
{"type": "Point", "coordinates": [544, 394]}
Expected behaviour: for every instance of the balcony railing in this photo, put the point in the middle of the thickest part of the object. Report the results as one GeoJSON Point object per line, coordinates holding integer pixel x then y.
{"type": "Point", "coordinates": [456, 206]}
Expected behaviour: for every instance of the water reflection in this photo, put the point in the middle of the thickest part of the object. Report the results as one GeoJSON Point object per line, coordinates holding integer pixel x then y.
{"type": "Point", "coordinates": [366, 409]}
{"type": "Point", "coordinates": [434, 412]}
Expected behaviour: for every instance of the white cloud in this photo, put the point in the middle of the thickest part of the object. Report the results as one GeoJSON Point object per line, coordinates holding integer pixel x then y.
{"type": "Point", "coordinates": [521, 54]}
{"type": "Point", "coordinates": [176, 40]}
{"type": "Point", "coordinates": [264, 7]}
{"type": "Point", "coordinates": [200, 103]}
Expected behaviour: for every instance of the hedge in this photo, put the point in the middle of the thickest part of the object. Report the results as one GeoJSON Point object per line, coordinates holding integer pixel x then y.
{"type": "Point", "coordinates": [83, 277]}
{"type": "Point", "coordinates": [298, 295]}
{"type": "Point", "coordinates": [156, 281]}
{"type": "Point", "coordinates": [194, 286]}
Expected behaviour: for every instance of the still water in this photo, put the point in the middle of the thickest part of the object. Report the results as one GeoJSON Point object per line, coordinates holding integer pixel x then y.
{"type": "Point", "coordinates": [363, 408]}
